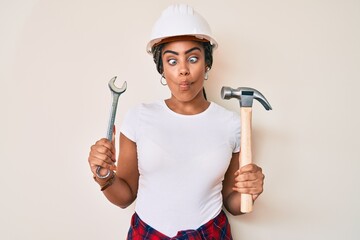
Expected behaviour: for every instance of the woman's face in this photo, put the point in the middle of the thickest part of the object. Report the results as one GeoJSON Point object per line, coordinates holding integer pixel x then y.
{"type": "Point", "coordinates": [184, 69]}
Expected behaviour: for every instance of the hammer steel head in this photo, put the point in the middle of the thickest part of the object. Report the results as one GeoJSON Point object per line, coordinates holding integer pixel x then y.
{"type": "Point", "coordinates": [115, 89]}
{"type": "Point", "coordinates": [245, 96]}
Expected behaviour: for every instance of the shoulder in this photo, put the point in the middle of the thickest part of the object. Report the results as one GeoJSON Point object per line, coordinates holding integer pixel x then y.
{"type": "Point", "coordinates": [156, 105]}
{"type": "Point", "coordinates": [136, 117]}
{"type": "Point", "coordinates": [223, 112]}
{"type": "Point", "coordinates": [229, 119]}
{"type": "Point", "coordinates": [143, 111]}
{"type": "Point", "coordinates": [141, 107]}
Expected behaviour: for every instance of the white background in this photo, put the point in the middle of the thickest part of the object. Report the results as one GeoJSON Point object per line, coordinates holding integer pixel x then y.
{"type": "Point", "coordinates": [56, 58]}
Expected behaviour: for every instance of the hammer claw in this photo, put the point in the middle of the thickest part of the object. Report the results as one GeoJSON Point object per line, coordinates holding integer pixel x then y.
{"type": "Point", "coordinates": [258, 96]}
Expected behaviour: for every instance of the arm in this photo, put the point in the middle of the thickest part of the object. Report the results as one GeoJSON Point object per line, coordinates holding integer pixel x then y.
{"type": "Point", "coordinates": [249, 179]}
{"type": "Point", "coordinates": [231, 198]}
{"type": "Point", "coordinates": [123, 191]}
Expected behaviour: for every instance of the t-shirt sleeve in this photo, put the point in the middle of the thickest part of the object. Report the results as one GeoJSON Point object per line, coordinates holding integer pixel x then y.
{"type": "Point", "coordinates": [129, 124]}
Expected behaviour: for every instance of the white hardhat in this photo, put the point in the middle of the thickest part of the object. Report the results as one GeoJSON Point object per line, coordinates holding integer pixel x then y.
{"type": "Point", "coordinates": [180, 20]}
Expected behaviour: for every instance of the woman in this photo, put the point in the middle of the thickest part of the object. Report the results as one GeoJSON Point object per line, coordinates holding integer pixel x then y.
{"type": "Point", "coordinates": [178, 157]}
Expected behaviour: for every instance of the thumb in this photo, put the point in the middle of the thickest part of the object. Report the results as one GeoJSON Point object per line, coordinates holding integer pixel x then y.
{"type": "Point", "coordinates": [113, 135]}
{"type": "Point", "coordinates": [113, 138]}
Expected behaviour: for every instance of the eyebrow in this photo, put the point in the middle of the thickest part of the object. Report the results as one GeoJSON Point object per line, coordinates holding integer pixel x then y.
{"type": "Point", "coordinates": [186, 52]}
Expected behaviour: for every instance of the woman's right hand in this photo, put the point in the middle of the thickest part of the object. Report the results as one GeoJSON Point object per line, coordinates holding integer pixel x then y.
{"type": "Point", "coordinates": [102, 154]}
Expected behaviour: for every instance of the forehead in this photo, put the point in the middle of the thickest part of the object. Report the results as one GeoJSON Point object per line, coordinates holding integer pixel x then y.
{"type": "Point", "coordinates": [183, 46]}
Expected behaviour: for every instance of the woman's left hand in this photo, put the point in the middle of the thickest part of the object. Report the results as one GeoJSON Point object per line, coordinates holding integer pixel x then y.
{"type": "Point", "coordinates": [249, 179]}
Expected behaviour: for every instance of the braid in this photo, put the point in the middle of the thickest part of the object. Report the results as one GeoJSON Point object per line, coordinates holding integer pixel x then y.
{"type": "Point", "coordinates": [208, 49]}
{"type": "Point", "coordinates": [157, 57]}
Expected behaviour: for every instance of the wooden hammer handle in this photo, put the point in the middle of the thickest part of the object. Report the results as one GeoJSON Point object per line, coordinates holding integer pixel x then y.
{"type": "Point", "coordinates": [245, 156]}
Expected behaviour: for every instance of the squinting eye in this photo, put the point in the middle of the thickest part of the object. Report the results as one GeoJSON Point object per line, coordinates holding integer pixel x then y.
{"type": "Point", "coordinates": [172, 61]}
{"type": "Point", "coordinates": [193, 59]}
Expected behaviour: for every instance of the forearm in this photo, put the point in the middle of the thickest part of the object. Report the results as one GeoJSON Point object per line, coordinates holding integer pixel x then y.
{"type": "Point", "coordinates": [119, 193]}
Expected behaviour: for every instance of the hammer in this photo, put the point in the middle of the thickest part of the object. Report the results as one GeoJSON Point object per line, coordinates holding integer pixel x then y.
{"type": "Point", "coordinates": [245, 96]}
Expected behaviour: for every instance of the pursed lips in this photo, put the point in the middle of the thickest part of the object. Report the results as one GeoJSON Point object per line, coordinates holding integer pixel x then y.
{"type": "Point", "coordinates": [185, 85]}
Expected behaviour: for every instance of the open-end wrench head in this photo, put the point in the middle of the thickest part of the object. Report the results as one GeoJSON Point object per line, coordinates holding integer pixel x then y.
{"type": "Point", "coordinates": [115, 89]}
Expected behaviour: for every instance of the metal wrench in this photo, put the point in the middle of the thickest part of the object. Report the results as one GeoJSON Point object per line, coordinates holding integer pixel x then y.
{"type": "Point", "coordinates": [116, 92]}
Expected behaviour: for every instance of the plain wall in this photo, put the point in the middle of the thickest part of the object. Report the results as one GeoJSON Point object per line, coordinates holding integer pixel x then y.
{"type": "Point", "coordinates": [56, 58]}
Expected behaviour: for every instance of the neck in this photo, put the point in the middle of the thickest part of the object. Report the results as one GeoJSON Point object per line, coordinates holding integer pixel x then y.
{"type": "Point", "coordinates": [192, 107]}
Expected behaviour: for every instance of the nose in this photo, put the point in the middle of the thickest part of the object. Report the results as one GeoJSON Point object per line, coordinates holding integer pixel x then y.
{"type": "Point", "coordinates": [184, 69]}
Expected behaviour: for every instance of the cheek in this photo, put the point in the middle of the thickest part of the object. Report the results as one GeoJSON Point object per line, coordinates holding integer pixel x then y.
{"type": "Point", "coordinates": [198, 72]}
{"type": "Point", "coordinates": [168, 74]}
{"type": "Point", "coordinates": [168, 70]}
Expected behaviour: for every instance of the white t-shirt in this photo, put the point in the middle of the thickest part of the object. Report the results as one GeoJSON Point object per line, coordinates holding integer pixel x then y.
{"type": "Point", "coordinates": [182, 160]}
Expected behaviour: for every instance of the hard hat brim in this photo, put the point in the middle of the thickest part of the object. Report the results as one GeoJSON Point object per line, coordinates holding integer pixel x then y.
{"type": "Point", "coordinates": [197, 38]}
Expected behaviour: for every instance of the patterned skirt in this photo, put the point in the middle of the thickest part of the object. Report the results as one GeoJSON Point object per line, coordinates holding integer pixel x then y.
{"type": "Point", "coordinates": [216, 229]}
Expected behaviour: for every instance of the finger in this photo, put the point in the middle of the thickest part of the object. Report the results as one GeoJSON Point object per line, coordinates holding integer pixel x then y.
{"type": "Point", "coordinates": [250, 176]}
{"type": "Point", "coordinates": [107, 158]}
{"type": "Point", "coordinates": [255, 182]}
{"type": "Point", "coordinates": [95, 162]}
{"type": "Point", "coordinates": [106, 143]}
{"type": "Point", "coordinates": [113, 135]}
{"type": "Point", "coordinates": [247, 168]}
{"type": "Point", "coordinates": [248, 184]}
{"type": "Point", "coordinates": [252, 191]}
{"type": "Point", "coordinates": [248, 187]}
{"type": "Point", "coordinates": [113, 144]}
{"type": "Point", "coordinates": [250, 168]}
{"type": "Point", "coordinates": [103, 149]}
{"type": "Point", "coordinates": [102, 153]}
{"type": "Point", "coordinates": [243, 177]}
{"type": "Point", "coordinates": [94, 167]}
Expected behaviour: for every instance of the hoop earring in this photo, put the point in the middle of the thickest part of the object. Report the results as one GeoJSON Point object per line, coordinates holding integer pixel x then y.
{"type": "Point", "coordinates": [206, 77]}
{"type": "Point", "coordinates": [161, 80]}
